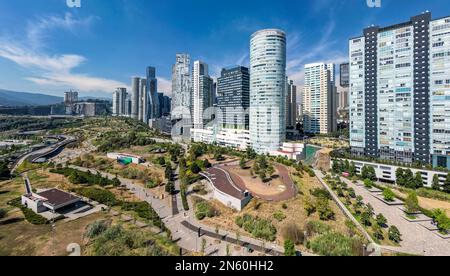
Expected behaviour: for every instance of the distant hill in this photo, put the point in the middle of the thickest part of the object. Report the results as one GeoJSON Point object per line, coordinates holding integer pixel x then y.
{"type": "Point", "coordinates": [12, 98]}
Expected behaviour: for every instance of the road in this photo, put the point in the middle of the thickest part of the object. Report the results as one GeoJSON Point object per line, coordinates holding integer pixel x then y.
{"type": "Point", "coordinates": [44, 151]}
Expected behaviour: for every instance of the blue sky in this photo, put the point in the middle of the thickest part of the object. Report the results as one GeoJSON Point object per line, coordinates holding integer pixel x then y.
{"type": "Point", "coordinates": [48, 47]}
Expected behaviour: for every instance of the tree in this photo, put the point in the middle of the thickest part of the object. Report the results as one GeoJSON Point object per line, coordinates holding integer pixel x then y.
{"type": "Point", "coordinates": [409, 179]}
{"type": "Point", "coordinates": [366, 218]}
{"type": "Point", "coordinates": [309, 205]}
{"type": "Point", "coordinates": [399, 174]}
{"type": "Point", "coordinates": [352, 170]}
{"type": "Point", "coordinates": [2, 213]}
{"type": "Point", "coordinates": [336, 166]}
{"type": "Point", "coordinates": [243, 163]}
{"type": "Point", "coordinates": [418, 181]}
{"type": "Point", "coordinates": [447, 184]}
{"type": "Point", "coordinates": [412, 203]}
{"type": "Point", "coordinates": [377, 232]}
{"type": "Point", "coordinates": [289, 248]}
{"type": "Point", "coordinates": [250, 153]}
{"type": "Point", "coordinates": [381, 220]}
{"type": "Point", "coordinates": [324, 210]}
{"type": "Point", "coordinates": [4, 170]}
{"type": "Point", "coordinates": [170, 188]}
{"type": "Point", "coordinates": [370, 209]}
{"type": "Point", "coordinates": [388, 195]}
{"type": "Point", "coordinates": [368, 183]}
{"type": "Point", "coordinates": [394, 234]}
{"type": "Point", "coordinates": [436, 184]}
{"type": "Point", "coordinates": [368, 172]}
{"type": "Point", "coordinates": [195, 168]}
{"type": "Point", "coordinates": [206, 164]}
{"type": "Point", "coordinates": [168, 173]}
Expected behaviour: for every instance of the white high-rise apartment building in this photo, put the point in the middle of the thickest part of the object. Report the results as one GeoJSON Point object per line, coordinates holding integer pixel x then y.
{"type": "Point", "coordinates": [267, 90]}
{"type": "Point", "coordinates": [319, 99]}
{"type": "Point", "coordinates": [202, 93]}
{"type": "Point", "coordinates": [119, 99]}
{"type": "Point", "coordinates": [400, 91]}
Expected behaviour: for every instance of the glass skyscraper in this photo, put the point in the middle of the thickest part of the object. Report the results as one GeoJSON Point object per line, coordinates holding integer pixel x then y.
{"type": "Point", "coordinates": [233, 98]}
{"type": "Point", "coordinates": [267, 90]}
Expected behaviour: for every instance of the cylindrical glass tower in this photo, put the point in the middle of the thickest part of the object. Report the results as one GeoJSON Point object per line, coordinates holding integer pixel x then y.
{"type": "Point", "coordinates": [267, 90]}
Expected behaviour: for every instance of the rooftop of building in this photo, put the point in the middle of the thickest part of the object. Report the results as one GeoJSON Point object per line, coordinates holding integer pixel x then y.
{"type": "Point", "coordinates": [57, 197]}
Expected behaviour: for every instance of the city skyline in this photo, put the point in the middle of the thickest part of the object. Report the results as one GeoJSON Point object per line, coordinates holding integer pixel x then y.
{"type": "Point", "coordinates": [95, 65]}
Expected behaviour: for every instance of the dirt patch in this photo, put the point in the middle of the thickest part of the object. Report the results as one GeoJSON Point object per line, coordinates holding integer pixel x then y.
{"type": "Point", "coordinates": [323, 160]}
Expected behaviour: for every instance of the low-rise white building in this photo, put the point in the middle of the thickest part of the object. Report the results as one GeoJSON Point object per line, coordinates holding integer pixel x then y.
{"type": "Point", "coordinates": [294, 151]}
{"type": "Point", "coordinates": [387, 173]}
{"type": "Point", "coordinates": [234, 138]}
{"type": "Point", "coordinates": [50, 200]}
{"type": "Point", "coordinates": [125, 157]}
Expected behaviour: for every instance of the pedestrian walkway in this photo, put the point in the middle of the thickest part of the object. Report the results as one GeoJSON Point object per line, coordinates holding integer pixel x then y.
{"type": "Point", "coordinates": [415, 238]}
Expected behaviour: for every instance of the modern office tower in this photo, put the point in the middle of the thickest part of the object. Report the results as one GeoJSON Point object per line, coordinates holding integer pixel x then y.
{"type": "Point", "coordinates": [128, 105]}
{"type": "Point", "coordinates": [70, 97]}
{"type": "Point", "coordinates": [267, 90]}
{"type": "Point", "coordinates": [344, 75]}
{"type": "Point", "coordinates": [233, 98]}
{"type": "Point", "coordinates": [165, 103]}
{"type": "Point", "coordinates": [116, 103]}
{"type": "Point", "coordinates": [202, 94]}
{"type": "Point", "coordinates": [343, 90]}
{"type": "Point", "coordinates": [144, 103]}
{"type": "Point", "coordinates": [181, 82]}
{"type": "Point", "coordinates": [399, 91]}
{"type": "Point", "coordinates": [152, 91]}
{"type": "Point", "coordinates": [291, 104]}
{"type": "Point", "coordinates": [141, 99]}
{"type": "Point", "coordinates": [319, 99]}
{"type": "Point", "coordinates": [135, 97]}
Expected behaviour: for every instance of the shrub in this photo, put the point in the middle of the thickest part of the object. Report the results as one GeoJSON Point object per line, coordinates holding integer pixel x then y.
{"type": "Point", "coordinates": [412, 203]}
{"type": "Point", "coordinates": [258, 227]}
{"type": "Point", "coordinates": [368, 183]}
{"type": "Point", "coordinates": [97, 228]}
{"type": "Point", "coordinates": [3, 213]}
{"type": "Point", "coordinates": [279, 216]}
{"type": "Point", "coordinates": [29, 215]}
{"type": "Point", "coordinates": [324, 210]}
{"type": "Point", "coordinates": [377, 232]}
{"type": "Point", "coordinates": [366, 218]}
{"type": "Point", "coordinates": [316, 228]}
{"type": "Point", "coordinates": [144, 210]}
{"type": "Point", "coordinates": [321, 193]}
{"type": "Point", "coordinates": [102, 196]}
{"type": "Point", "coordinates": [289, 248]}
{"type": "Point", "coordinates": [388, 195]}
{"type": "Point", "coordinates": [394, 234]}
{"type": "Point", "coordinates": [336, 244]}
{"type": "Point", "coordinates": [381, 220]}
{"type": "Point", "coordinates": [203, 209]}
{"type": "Point", "coordinates": [443, 222]}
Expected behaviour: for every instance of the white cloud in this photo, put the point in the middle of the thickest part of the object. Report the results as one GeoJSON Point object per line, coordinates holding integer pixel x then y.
{"type": "Point", "coordinates": [165, 86]}
{"type": "Point", "coordinates": [55, 70]}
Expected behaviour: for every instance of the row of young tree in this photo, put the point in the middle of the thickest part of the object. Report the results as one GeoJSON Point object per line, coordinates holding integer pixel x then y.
{"type": "Point", "coordinates": [405, 177]}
